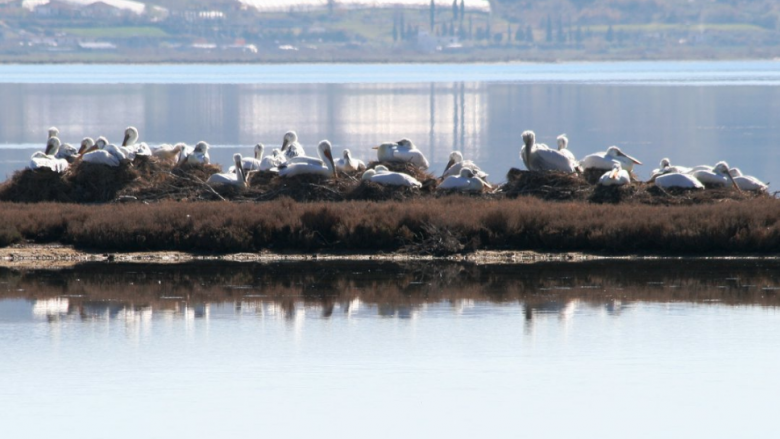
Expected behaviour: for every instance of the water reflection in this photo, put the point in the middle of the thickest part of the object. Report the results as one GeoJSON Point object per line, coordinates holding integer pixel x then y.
{"type": "Point", "coordinates": [692, 125]}
{"type": "Point", "coordinates": [296, 292]}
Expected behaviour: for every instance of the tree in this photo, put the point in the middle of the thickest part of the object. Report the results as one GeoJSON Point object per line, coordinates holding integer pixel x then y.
{"type": "Point", "coordinates": [520, 34]}
{"type": "Point", "coordinates": [462, 10]}
{"type": "Point", "coordinates": [433, 15]}
{"type": "Point", "coordinates": [395, 29]}
{"type": "Point", "coordinates": [454, 10]}
{"type": "Point", "coordinates": [498, 37]}
{"type": "Point", "coordinates": [610, 34]}
{"type": "Point", "coordinates": [471, 29]}
{"type": "Point", "coordinates": [508, 33]}
{"type": "Point", "coordinates": [560, 36]}
{"type": "Point", "coordinates": [401, 27]}
{"type": "Point", "coordinates": [529, 34]}
{"type": "Point", "coordinates": [548, 34]}
{"type": "Point", "coordinates": [578, 35]}
{"type": "Point", "coordinates": [488, 31]}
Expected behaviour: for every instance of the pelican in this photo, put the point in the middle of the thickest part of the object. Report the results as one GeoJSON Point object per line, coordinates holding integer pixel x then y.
{"type": "Point", "coordinates": [54, 132]}
{"type": "Point", "coordinates": [456, 164]}
{"type": "Point", "coordinates": [387, 178]}
{"type": "Point", "coordinates": [718, 176]}
{"type": "Point", "coordinates": [68, 152]}
{"type": "Point", "coordinates": [349, 164]}
{"type": "Point", "coordinates": [48, 159]}
{"type": "Point", "coordinates": [403, 151]}
{"type": "Point", "coordinates": [563, 148]}
{"type": "Point", "coordinates": [131, 136]}
{"type": "Point", "coordinates": [603, 160]}
{"type": "Point", "coordinates": [324, 167]}
{"type": "Point", "coordinates": [747, 182]}
{"type": "Point", "coordinates": [616, 177]}
{"type": "Point", "coordinates": [269, 163]}
{"type": "Point", "coordinates": [290, 146]}
{"type": "Point", "coordinates": [169, 153]}
{"type": "Point", "coordinates": [466, 181]}
{"type": "Point", "coordinates": [538, 157]}
{"type": "Point", "coordinates": [683, 181]}
{"type": "Point", "coordinates": [238, 179]}
{"type": "Point", "coordinates": [199, 155]}
{"type": "Point", "coordinates": [667, 168]}
{"type": "Point", "coordinates": [100, 153]}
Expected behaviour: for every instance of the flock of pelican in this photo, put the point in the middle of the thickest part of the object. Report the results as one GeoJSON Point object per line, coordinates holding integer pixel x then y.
{"type": "Point", "coordinates": [459, 174]}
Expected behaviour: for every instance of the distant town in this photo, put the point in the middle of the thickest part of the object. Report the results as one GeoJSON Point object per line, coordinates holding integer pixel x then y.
{"type": "Point", "coordinates": [38, 31]}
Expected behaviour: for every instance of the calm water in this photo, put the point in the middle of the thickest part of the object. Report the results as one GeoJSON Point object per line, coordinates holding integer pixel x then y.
{"type": "Point", "coordinates": [602, 350]}
{"type": "Point", "coordinates": [694, 113]}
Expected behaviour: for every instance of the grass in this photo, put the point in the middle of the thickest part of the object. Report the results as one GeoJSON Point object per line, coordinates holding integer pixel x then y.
{"type": "Point", "coordinates": [436, 226]}
{"type": "Point", "coordinates": [119, 32]}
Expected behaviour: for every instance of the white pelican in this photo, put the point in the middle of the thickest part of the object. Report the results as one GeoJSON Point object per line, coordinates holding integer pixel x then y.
{"type": "Point", "coordinates": [68, 152]}
{"type": "Point", "coordinates": [403, 151]}
{"type": "Point", "coordinates": [131, 136]}
{"type": "Point", "coordinates": [100, 153]}
{"type": "Point", "coordinates": [121, 152]}
{"type": "Point", "coordinates": [466, 181]}
{"type": "Point", "coordinates": [603, 160]}
{"type": "Point", "coordinates": [324, 167]}
{"type": "Point", "coordinates": [48, 159]}
{"type": "Point", "coordinates": [563, 148]}
{"type": "Point", "coordinates": [169, 153]}
{"type": "Point", "coordinates": [54, 132]}
{"type": "Point", "coordinates": [667, 168]}
{"type": "Point", "coordinates": [387, 178]}
{"type": "Point", "coordinates": [269, 163]}
{"type": "Point", "coordinates": [87, 145]}
{"type": "Point", "coordinates": [683, 181]}
{"type": "Point", "coordinates": [538, 157]}
{"type": "Point", "coordinates": [456, 164]}
{"type": "Point", "coordinates": [616, 177]}
{"type": "Point", "coordinates": [200, 154]}
{"type": "Point", "coordinates": [290, 146]}
{"type": "Point", "coordinates": [349, 164]}
{"type": "Point", "coordinates": [718, 176]}
{"type": "Point", "coordinates": [238, 179]}
{"type": "Point", "coordinates": [747, 182]}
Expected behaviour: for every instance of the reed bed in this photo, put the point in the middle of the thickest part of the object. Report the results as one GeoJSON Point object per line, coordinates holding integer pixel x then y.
{"type": "Point", "coordinates": [437, 226]}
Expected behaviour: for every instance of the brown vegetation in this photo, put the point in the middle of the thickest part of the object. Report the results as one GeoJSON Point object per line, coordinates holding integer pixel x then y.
{"type": "Point", "coordinates": [438, 226]}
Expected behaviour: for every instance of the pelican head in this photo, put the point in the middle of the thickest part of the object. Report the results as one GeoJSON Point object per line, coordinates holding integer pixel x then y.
{"type": "Point", "coordinates": [86, 145]}
{"type": "Point", "coordinates": [616, 168]}
{"type": "Point", "coordinates": [380, 169]}
{"type": "Point", "coordinates": [529, 138]}
{"type": "Point", "coordinates": [259, 148]}
{"type": "Point", "coordinates": [54, 132]}
{"type": "Point", "coordinates": [406, 143]}
{"type": "Point", "coordinates": [614, 151]}
{"type": "Point", "coordinates": [289, 137]}
{"type": "Point", "coordinates": [325, 150]}
{"type": "Point", "coordinates": [239, 169]}
{"type": "Point", "coordinates": [665, 163]}
{"type": "Point", "coordinates": [563, 142]}
{"type": "Point", "coordinates": [368, 174]}
{"type": "Point", "coordinates": [722, 168]}
{"type": "Point", "coordinates": [347, 155]}
{"type": "Point", "coordinates": [466, 173]}
{"type": "Point", "coordinates": [202, 147]}
{"type": "Point", "coordinates": [179, 147]}
{"type": "Point", "coordinates": [101, 142]}
{"type": "Point", "coordinates": [131, 136]}
{"type": "Point", "coordinates": [52, 146]}
{"type": "Point", "coordinates": [455, 157]}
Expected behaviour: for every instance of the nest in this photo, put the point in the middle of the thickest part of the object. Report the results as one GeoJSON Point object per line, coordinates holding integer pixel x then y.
{"type": "Point", "coordinates": [428, 180]}
{"type": "Point", "coordinates": [558, 186]}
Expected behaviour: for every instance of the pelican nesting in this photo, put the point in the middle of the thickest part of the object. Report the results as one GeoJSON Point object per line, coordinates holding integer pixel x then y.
{"type": "Point", "coordinates": [237, 179]}
{"type": "Point", "coordinates": [616, 177]}
{"type": "Point", "coordinates": [268, 163]}
{"type": "Point", "coordinates": [101, 153]}
{"type": "Point", "coordinates": [381, 175]}
{"type": "Point", "coordinates": [47, 159]}
{"type": "Point", "coordinates": [348, 163]}
{"type": "Point", "coordinates": [169, 153]}
{"type": "Point", "coordinates": [67, 152]}
{"type": "Point", "coordinates": [87, 145]}
{"type": "Point", "coordinates": [563, 148]}
{"type": "Point", "coordinates": [466, 181]}
{"type": "Point", "coordinates": [456, 164]}
{"type": "Point", "coordinates": [403, 151]}
{"type": "Point", "coordinates": [290, 146]}
{"type": "Point", "coordinates": [324, 167]}
{"type": "Point", "coordinates": [131, 136]}
{"type": "Point", "coordinates": [682, 181]}
{"type": "Point", "coordinates": [603, 160]}
{"type": "Point", "coordinates": [747, 182]}
{"type": "Point", "coordinates": [538, 157]}
{"type": "Point", "coordinates": [667, 168]}
{"type": "Point", "coordinates": [718, 176]}
{"type": "Point", "coordinates": [199, 155]}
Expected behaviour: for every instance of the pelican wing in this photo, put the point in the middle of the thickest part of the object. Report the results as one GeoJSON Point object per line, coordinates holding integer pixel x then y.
{"type": "Point", "coordinates": [545, 159]}
{"type": "Point", "coordinates": [413, 156]}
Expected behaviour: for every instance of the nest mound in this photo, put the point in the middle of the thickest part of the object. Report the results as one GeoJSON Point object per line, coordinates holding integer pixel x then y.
{"type": "Point", "coordinates": [558, 186]}
{"type": "Point", "coordinates": [370, 191]}
{"type": "Point", "coordinates": [34, 186]}
{"type": "Point", "coordinates": [264, 186]}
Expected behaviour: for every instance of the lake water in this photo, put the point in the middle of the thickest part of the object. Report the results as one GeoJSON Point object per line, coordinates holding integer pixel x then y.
{"type": "Point", "coordinates": [353, 349]}
{"type": "Point", "coordinates": [693, 113]}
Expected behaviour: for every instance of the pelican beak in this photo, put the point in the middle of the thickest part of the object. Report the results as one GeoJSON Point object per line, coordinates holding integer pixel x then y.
{"type": "Point", "coordinates": [285, 144]}
{"type": "Point", "coordinates": [449, 165]}
{"type": "Point", "coordinates": [374, 147]}
{"type": "Point", "coordinates": [736, 186]}
{"type": "Point", "coordinates": [127, 137]}
{"type": "Point", "coordinates": [329, 156]}
{"type": "Point", "coordinates": [614, 174]}
{"type": "Point", "coordinates": [630, 158]}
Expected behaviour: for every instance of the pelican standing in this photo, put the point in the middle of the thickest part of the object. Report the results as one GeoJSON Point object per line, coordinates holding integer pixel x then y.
{"type": "Point", "coordinates": [456, 164]}
{"type": "Point", "coordinates": [538, 157]}
{"type": "Point", "coordinates": [682, 181]}
{"type": "Point", "coordinates": [290, 146]}
{"type": "Point", "coordinates": [466, 181]}
{"type": "Point", "coordinates": [47, 159]}
{"type": "Point", "coordinates": [603, 160]}
{"type": "Point", "coordinates": [616, 177]}
{"type": "Point", "coordinates": [228, 178]}
{"type": "Point", "coordinates": [387, 178]}
{"type": "Point", "coordinates": [403, 151]}
{"type": "Point", "coordinates": [324, 167]}
{"type": "Point", "coordinates": [348, 163]}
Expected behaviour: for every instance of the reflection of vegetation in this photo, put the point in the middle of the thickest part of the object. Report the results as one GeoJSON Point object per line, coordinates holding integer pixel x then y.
{"type": "Point", "coordinates": [119, 32]}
